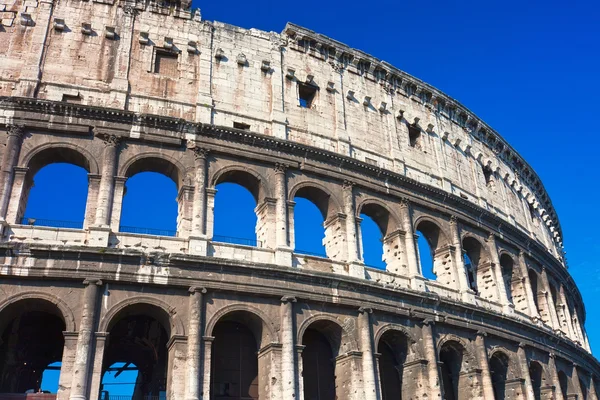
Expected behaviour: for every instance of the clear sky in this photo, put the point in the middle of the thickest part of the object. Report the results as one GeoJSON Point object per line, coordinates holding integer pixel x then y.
{"type": "Point", "coordinates": [529, 69]}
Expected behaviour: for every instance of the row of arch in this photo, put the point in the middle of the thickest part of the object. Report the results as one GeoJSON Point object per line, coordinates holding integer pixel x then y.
{"type": "Point", "coordinates": [476, 263]}
{"type": "Point", "coordinates": [140, 332]}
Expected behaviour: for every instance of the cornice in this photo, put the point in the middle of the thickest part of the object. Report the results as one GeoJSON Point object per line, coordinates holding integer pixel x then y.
{"type": "Point", "coordinates": [476, 127]}
{"type": "Point", "coordinates": [182, 128]}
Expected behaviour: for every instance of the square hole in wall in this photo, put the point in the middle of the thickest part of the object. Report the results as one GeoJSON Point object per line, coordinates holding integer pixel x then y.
{"type": "Point", "coordinates": [241, 125]}
{"type": "Point", "coordinates": [69, 98]}
{"type": "Point", "coordinates": [165, 63]}
{"type": "Point", "coordinates": [306, 95]}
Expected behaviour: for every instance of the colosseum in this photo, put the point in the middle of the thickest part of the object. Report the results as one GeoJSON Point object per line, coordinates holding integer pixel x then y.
{"type": "Point", "coordinates": [121, 88]}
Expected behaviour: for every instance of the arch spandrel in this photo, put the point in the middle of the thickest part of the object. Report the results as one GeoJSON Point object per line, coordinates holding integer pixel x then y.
{"type": "Point", "coordinates": [244, 175]}
{"type": "Point", "coordinates": [268, 328]}
{"type": "Point", "coordinates": [45, 154]}
{"type": "Point", "coordinates": [344, 343]}
{"type": "Point", "coordinates": [415, 352]}
{"type": "Point", "coordinates": [378, 210]}
{"type": "Point", "coordinates": [61, 306]}
{"type": "Point", "coordinates": [326, 199]}
{"type": "Point", "coordinates": [147, 305]}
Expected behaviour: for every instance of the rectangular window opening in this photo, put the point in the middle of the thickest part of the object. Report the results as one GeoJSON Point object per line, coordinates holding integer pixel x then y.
{"type": "Point", "coordinates": [165, 63]}
{"type": "Point", "coordinates": [241, 125]}
{"type": "Point", "coordinates": [69, 98]}
{"type": "Point", "coordinates": [306, 95]}
{"type": "Point", "coordinates": [414, 137]}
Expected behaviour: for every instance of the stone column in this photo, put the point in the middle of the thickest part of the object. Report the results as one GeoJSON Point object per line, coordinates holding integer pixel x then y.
{"type": "Point", "coordinates": [482, 359]}
{"type": "Point", "coordinates": [199, 206]}
{"type": "Point", "coordinates": [460, 269]}
{"type": "Point", "coordinates": [593, 394]}
{"type": "Point", "coordinates": [366, 346]}
{"type": "Point", "coordinates": [577, 384]}
{"type": "Point", "coordinates": [288, 366]}
{"type": "Point", "coordinates": [502, 290]}
{"type": "Point", "coordinates": [432, 361]}
{"type": "Point", "coordinates": [300, 367]}
{"type": "Point", "coordinates": [16, 195]}
{"type": "Point", "coordinates": [96, 380]}
{"type": "Point", "coordinates": [533, 311]}
{"type": "Point", "coordinates": [208, 341]}
{"type": "Point", "coordinates": [194, 345]}
{"type": "Point", "coordinates": [350, 221]}
{"type": "Point", "coordinates": [412, 258]}
{"type": "Point", "coordinates": [550, 301]}
{"type": "Point", "coordinates": [9, 161]}
{"type": "Point", "coordinates": [117, 206]}
{"type": "Point", "coordinates": [524, 366]}
{"type": "Point", "coordinates": [356, 267]}
{"type": "Point", "coordinates": [68, 357]}
{"type": "Point", "coordinates": [554, 374]}
{"type": "Point", "coordinates": [106, 191]}
{"type": "Point", "coordinates": [283, 253]}
{"type": "Point", "coordinates": [82, 365]}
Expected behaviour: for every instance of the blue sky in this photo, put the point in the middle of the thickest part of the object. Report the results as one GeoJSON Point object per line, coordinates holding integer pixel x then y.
{"type": "Point", "coordinates": [529, 69]}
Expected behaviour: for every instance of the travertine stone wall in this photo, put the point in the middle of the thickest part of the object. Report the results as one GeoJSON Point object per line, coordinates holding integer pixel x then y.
{"type": "Point", "coordinates": [123, 88]}
{"type": "Point", "coordinates": [363, 108]}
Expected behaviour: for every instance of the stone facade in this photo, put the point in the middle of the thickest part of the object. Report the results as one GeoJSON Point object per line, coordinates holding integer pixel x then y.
{"type": "Point", "coordinates": [124, 88]}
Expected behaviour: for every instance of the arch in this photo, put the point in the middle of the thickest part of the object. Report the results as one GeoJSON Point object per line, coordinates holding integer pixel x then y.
{"type": "Point", "coordinates": [432, 231]}
{"type": "Point", "coordinates": [31, 339]}
{"type": "Point", "coordinates": [457, 341]}
{"type": "Point", "coordinates": [346, 341]}
{"type": "Point", "coordinates": [318, 194]}
{"type": "Point", "coordinates": [386, 219]}
{"type": "Point", "coordinates": [394, 348]}
{"type": "Point", "coordinates": [154, 162]}
{"type": "Point", "coordinates": [499, 370]}
{"type": "Point", "coordinates": [476, 258]}
{"type": "Point", "coordinates": [65, 311]}
{"type": "Point", "coordinates": [537, 376]}
{"type": "Point", "coordinates": [244, 176]}
{"type": "Point", "coordinates": [266, 337]}
{"type": "Point", "coordinates": [414, 350]}
{"type": "Point", "coordinates": [451, 358]}
{"type": "Point", "coordinates": [507, 266]}
{"type": "Point", "coordinates": [60, 152]}
{"type": "Point", "coordinates": [160, 310]}
{"type": "Point", "coordinates": [564, 382]}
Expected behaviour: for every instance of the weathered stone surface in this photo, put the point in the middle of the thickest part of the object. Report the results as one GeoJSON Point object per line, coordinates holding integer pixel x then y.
{"type": "Point", "coordinates": [130, 86]}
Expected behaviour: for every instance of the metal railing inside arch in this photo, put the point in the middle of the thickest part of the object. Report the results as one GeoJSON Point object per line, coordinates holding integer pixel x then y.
{"type": "Point", "coordinates": [237, 240]}
{"type": "Point", "coordinates": [147, 231]}
{"type": "Point", "coordinates": [51, 223]}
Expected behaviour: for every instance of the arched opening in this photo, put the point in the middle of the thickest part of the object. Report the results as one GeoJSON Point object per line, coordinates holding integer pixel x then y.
{"type": "Point", "coordinates": [138, 337]}
{"type": "Point", "coordinates": [507, 267]}
{"type": "Point", "coordinates": [472, 254]}
{"type": "Point", "coordinates": [312, 229]}
{"type": "Point", "coordinates": [235, 219]}
{"type": "Point", "coordinates": [499, 373]}
{"type": "Point", "coordinates": [381, 242]}
{"type": "Point", "coordinates": [239, 216]}
{"type": "Point", "coordinates": [120, 379]}
{"type": "Point", "coordinates": [31, 347]}
{"type": "Point", "coordinates": [393, 347]}
{"type": "Point", "coordinates": [235, 363]}
{"type": "Point", "coordinates": [152, 189]}
{"type": "Point", "coordinates": [372, 249]}
{"type": "Point", "coordinates": [430, 245]}
{"type": "Point", "coordinates": [55, 189]}
{"type": "Point", "coordinates": [584, 388]}
{"type": "Point", "coordinates": [563, 380]}
{"type": "Point", "coordinates": [533, 281]}
{"type": "Point", "coordinates": [322, 375]}
{"type": "Point", "coordinates": [318, 368]}
{"type": "Point", "coordinates": [536, 373]}
{"type": "Point", "coordinates": [451, 365]}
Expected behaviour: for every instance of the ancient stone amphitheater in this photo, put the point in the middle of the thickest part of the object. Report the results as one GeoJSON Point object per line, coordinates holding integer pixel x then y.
{"type": "Point", "coordinates": [120, 89]}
